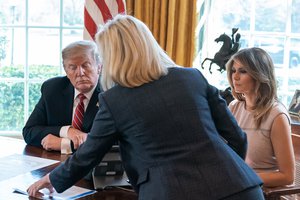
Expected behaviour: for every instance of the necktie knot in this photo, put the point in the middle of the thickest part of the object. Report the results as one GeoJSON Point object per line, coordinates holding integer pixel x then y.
{"type": "Point", "coordinates": [81, 97]}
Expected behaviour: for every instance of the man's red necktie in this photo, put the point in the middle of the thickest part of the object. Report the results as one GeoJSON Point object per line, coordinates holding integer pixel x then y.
{"type": "Point", "coordinates": [79, 113]}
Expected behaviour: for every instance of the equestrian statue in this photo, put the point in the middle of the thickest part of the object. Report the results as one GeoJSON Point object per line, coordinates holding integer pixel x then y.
{"type": "Point", "coordinates": [229, 47]}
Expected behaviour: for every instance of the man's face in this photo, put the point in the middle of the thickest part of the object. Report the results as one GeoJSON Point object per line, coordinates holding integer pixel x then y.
{"type": "Point", "coordinates": [83, 72]}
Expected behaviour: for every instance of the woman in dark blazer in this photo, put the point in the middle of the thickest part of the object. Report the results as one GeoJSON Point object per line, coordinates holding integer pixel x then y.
{"type": "Point", "coordinates": [177, 137]}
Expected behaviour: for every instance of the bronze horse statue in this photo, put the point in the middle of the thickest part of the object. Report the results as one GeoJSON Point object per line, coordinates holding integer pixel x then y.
{"type": "Point", "coordinates": [229, 47]}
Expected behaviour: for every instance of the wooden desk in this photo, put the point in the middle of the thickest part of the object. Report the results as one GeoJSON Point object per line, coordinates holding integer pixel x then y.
{"type": "Point", "coordinates": [10, 146]}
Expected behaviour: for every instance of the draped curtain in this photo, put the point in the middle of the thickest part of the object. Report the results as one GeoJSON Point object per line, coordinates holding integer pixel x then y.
{"type": "Point", "coordinates": [172, 23]}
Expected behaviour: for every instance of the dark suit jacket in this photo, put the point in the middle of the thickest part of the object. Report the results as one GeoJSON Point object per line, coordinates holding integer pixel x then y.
{"type": "Point", "coordinates": [54, 110]}
{"type": "Point", "coordinates": [172, 135]}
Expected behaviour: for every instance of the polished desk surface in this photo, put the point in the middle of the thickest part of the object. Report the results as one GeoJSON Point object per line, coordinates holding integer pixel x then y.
{"type": "Point", "coordinates": [9, 146]}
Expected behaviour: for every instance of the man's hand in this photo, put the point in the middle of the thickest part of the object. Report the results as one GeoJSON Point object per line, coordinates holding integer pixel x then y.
{"type": "Point", "coordinates": [51, 142]}
{"type": "Point", "coordinates": [78, 137]}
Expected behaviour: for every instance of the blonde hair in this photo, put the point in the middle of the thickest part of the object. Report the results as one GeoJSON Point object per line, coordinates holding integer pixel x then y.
{"type": "Point", "coordinates": [260, 67]}
{"type": "Point", "coordinates": [130, 54]}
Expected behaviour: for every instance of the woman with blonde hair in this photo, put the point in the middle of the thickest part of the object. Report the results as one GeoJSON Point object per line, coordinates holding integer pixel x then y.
{"type": "Point", "coordinates": [259, 113]}
{"type": "Point", "coordinates": [170, 124]}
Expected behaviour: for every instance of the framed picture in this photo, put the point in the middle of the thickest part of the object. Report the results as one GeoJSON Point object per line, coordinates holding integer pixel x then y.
{"type": "Point", "coordinates": [294, 108]}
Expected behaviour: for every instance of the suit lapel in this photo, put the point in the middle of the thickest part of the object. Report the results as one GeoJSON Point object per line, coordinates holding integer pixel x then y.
{"type": "Point", "coordinates": [91, 110]}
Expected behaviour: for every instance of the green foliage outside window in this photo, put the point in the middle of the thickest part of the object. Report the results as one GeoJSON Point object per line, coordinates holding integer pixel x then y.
{"type": "Point", "coordinates": [12, 106]}
{"type": "Point", "coordinates": [12, 102]}
{"type": "Point", "coordinates": [3, 42]}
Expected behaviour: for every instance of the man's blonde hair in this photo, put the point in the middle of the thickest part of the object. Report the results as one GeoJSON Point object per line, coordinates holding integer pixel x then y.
{"type": "Point", "coordinates": [130, 54]}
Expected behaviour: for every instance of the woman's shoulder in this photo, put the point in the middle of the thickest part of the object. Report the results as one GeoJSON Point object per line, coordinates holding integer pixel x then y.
{"type": "Point", "coordinates": [277, 109]}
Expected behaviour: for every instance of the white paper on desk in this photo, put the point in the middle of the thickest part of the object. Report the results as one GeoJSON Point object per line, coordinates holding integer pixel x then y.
{"type": "Point", "coordinates": [73, 192]}
{"type": "Point", "coordinates": [16, 164]}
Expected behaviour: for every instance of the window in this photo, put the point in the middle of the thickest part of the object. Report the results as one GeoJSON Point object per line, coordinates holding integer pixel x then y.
{"type": "Point", "coordinates": [271, 25]}
{"type": "Point", "coordinates": [32, 35]}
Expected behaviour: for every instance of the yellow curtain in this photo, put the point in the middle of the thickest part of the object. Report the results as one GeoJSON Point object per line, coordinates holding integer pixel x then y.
{"type": "Point", "coordinates": [172, 23]}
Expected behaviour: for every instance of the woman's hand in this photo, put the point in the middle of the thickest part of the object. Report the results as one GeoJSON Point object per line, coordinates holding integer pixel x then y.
{"type": "Point", "coordinates": [44, 182]}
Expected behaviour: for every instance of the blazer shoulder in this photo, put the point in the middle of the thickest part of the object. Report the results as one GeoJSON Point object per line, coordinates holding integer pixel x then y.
{"type": "Point", "coordinates": [55, 84]}
{"type": "Point", "coordinates": [183, 70]}
{"type": "Point", "coordinates": [57, 81]}
{"type": "Point", "coordinates": [186, 71]}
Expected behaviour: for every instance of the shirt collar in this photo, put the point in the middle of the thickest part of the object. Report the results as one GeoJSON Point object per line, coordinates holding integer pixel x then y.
{"type": "Point", "coordinates": [88, 95]}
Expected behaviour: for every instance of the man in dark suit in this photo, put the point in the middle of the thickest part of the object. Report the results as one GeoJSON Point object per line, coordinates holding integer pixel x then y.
{"type": "Point", "coordinates": [49, 125]}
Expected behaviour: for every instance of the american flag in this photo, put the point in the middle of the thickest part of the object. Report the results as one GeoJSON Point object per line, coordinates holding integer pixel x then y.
{"type": "Point", "coordinates": [97, 12]}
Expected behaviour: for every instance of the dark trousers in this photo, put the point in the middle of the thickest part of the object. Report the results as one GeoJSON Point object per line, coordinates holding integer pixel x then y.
{"type": "Point", "coordinates": [253, 193]}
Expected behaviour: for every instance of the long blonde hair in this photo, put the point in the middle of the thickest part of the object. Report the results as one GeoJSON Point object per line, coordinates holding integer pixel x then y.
{"type": "Point", "coordinates": [130, 54]}
{"type": "Point", "coordinates": [260, 67]}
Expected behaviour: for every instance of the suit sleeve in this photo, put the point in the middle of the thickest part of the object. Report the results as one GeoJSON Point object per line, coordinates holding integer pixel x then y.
{"type": "Point", "coordinates": [36, 127]}
{"type": "Point", "coordinates": [225, 122]}
{"type": "Point", "coordinates": [99, 141]}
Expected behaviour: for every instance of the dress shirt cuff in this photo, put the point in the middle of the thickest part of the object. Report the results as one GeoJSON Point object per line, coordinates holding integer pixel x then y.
{"type": "Point", "coordinates": [64, 131]}
{"type": "Point", "coordinates": [66, 146]}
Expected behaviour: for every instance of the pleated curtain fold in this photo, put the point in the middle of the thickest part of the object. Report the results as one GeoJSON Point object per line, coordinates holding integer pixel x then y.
{"type": "Point", "coordinates": [172, 23]}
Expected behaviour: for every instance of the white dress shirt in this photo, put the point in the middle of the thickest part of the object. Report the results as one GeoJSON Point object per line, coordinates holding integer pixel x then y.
{"type": "Point", "coordinates": [66, 142]}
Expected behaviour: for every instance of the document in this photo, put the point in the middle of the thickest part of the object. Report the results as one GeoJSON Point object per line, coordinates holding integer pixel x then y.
{"type": "Point", "coordinates": [72, 193]}
{"type": "Point", "coordinates": [16, 164]}
{"type": "Point", "coordinates": [17, 174]}
{"type": "Point", "coordinates": [19, 185]}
